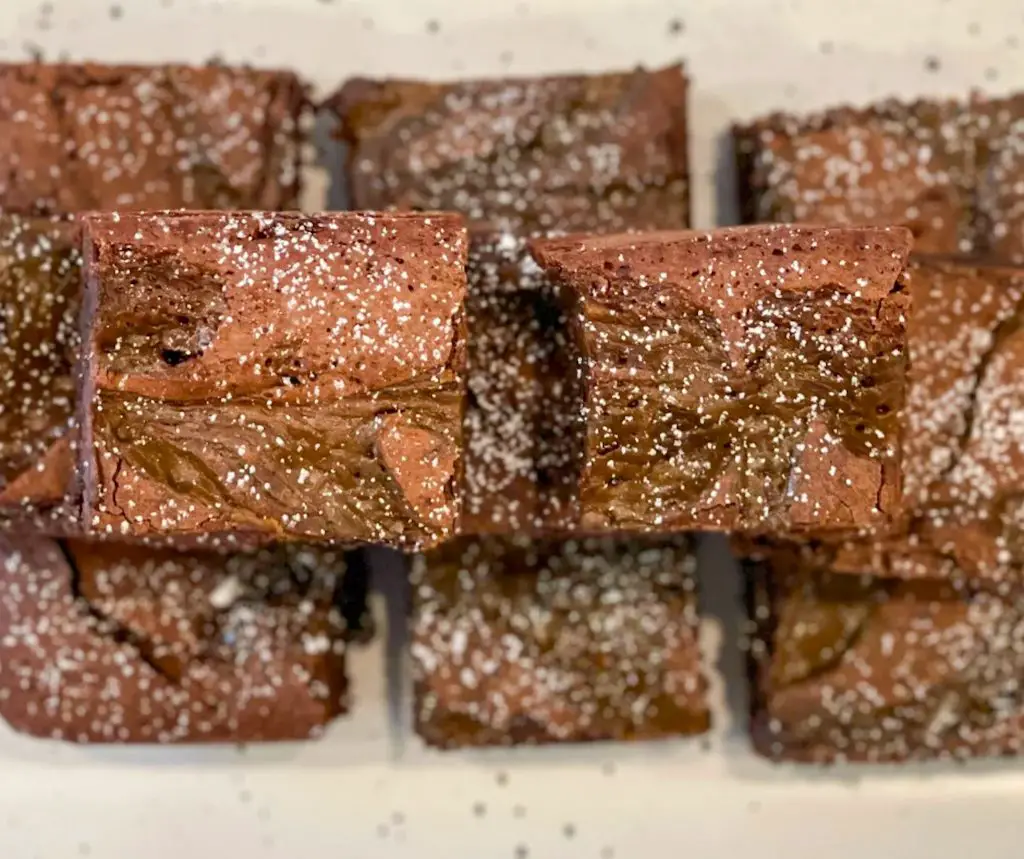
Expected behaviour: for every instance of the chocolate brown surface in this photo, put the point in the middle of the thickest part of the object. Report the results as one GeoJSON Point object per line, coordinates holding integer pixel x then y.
{"type": "Point", "coordinates": [999, 230]}
{"type": "Point", "coordinates": [517, 641]}
{"type": "Point", "coordinates": [112, 644]}
{"type": "Point", "coordinates": [88, 136]}
{"type": "Point", "coordinates": [517, 158]}
{"type": "Point", "coordinates": [910, 164]}
{"type": "Point", "coordinates": [40, 276]}
{"type": "Point", "coordinates": [849, 668]}
{"type": "Point", "coordinates": [748, 379]}
{"type": "Point", "coordinates": [274, 376]}
{"type": "Point", "coordinates": [524, 155]}
{"type": "Point", "coordinates": [946, 169]}
{"type": "Point", "coordinates": [521, 419]}
{"type": "Point", "coordinates": [963, 510]}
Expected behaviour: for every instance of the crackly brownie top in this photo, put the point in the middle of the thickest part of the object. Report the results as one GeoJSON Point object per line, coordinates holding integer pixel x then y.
{"type": "Point", "coordinates": [108, 643]}
{"type": "Point", "coordinates": [726, 271]}
{"type": "Point", "coordinates": [40, 274]}
{"type": "Point", "coordinates": [777, 351]}
{"type": "Point", "coordinates": [893, 162]}
{"type": "Point", "coordinates": [193, 306]}
{"type": "Point", "coordinates": [87, 136]}
{"type": "Point", "coordinates": [885, 670]}
{"type": "Point", "coordinates": [288, 374]}
{"type": "Point", "coordinates": [564, 152]}
{"type": "Point", "coordinates": [963, 461]}
{"type": "Point", "coordinates": [566, 635]}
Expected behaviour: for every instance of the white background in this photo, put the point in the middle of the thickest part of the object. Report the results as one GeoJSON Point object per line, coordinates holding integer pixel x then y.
{"type": "Point", "coordinates": [370, 789]}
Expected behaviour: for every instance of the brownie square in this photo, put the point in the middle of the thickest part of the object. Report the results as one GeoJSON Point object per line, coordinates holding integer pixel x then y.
{"type": "Point", "coordinates": [88, 136]}
{"type": "Point", "coordinates": [748, 379]}
{"type": "Point", "coordinates": [523, 642]}
{"type": "Point", "coordinates": [274, 375]}
{"type": "Point", "coordinates": [40, 277]}
{"type": "Point", "coordinates": [856, 668]}
{"type": "Point", "coordinates": [111, 644]}
{"type": "Point", "coordinates": [523, 155]}
{"type": "Point", "coordinates": [891, 163]}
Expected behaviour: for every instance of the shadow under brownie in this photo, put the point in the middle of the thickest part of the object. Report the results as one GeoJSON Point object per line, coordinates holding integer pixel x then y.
{"type": "Point", "coordinates": [522, 424]}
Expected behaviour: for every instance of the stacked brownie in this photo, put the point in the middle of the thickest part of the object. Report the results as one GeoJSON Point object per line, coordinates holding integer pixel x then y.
{"type": "Point", "coordinates": [903, 641]}
{"type": "Point", "coordinates": [105, 641]}
{"type": "Point", "coordinates": [743, 380]}
{"type": "Point", "coordinates": [515, 627]}
{"type": "Point", "coordinates": [273, 376]}
{"type": "Point", "coordinates": [521, 158]}
{"type": "Point", "coordinates": [82, 137]}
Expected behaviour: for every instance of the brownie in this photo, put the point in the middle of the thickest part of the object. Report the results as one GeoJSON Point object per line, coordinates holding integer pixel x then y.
{"type": "Point", "coordinates": [524, 155]}
{"type": "Point", "coordinates": [856, 668]}
{"type": "Point", "coordinates": [516, 641]}
{"type": "Point", "coordinates": [748, 379]}
{"type": "Point", "coordinates": [40, 277]}
{"type": "Point", "coordinates": [273, 375]}
{"type": "Point", "coordinates": [112, 644]}
{"type": "Point", "coordinates": [963, 469]}
{"type": "Point", "coordinates": [889, 163]}
{"type": "Point", "coordinates": [87, 136]}
{"type": "Point", "coordinates": [949, 170]}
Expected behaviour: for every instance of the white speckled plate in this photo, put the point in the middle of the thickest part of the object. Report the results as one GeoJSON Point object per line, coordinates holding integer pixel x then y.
{"type": "Point", "coordinates": [369, 789]}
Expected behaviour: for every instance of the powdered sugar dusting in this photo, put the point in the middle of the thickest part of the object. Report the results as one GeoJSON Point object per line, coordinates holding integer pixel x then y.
{"type": "Point", "coordinates": [521, 419]}
{"type": "Point", "coordinates": [949, 170]}
{"type": "Point", "coordinates": [523, 155]}
{"type": "Point", "coordinates": [521, 641]}
{"type": "Point", "coordinates": [276, 375]}
{"type": "Point", "coordinates": [40, 273]}
{"type": "Point", "coordinates": [745, 379]}
{"type": "Point", "coordinates": [108, 644]}
{"type": "Point", "coordinates": [86, 137]}
{"type": "Point", "coordinates": [962, 450]}
{"type": "Point", "coordinates": [869, 670]}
